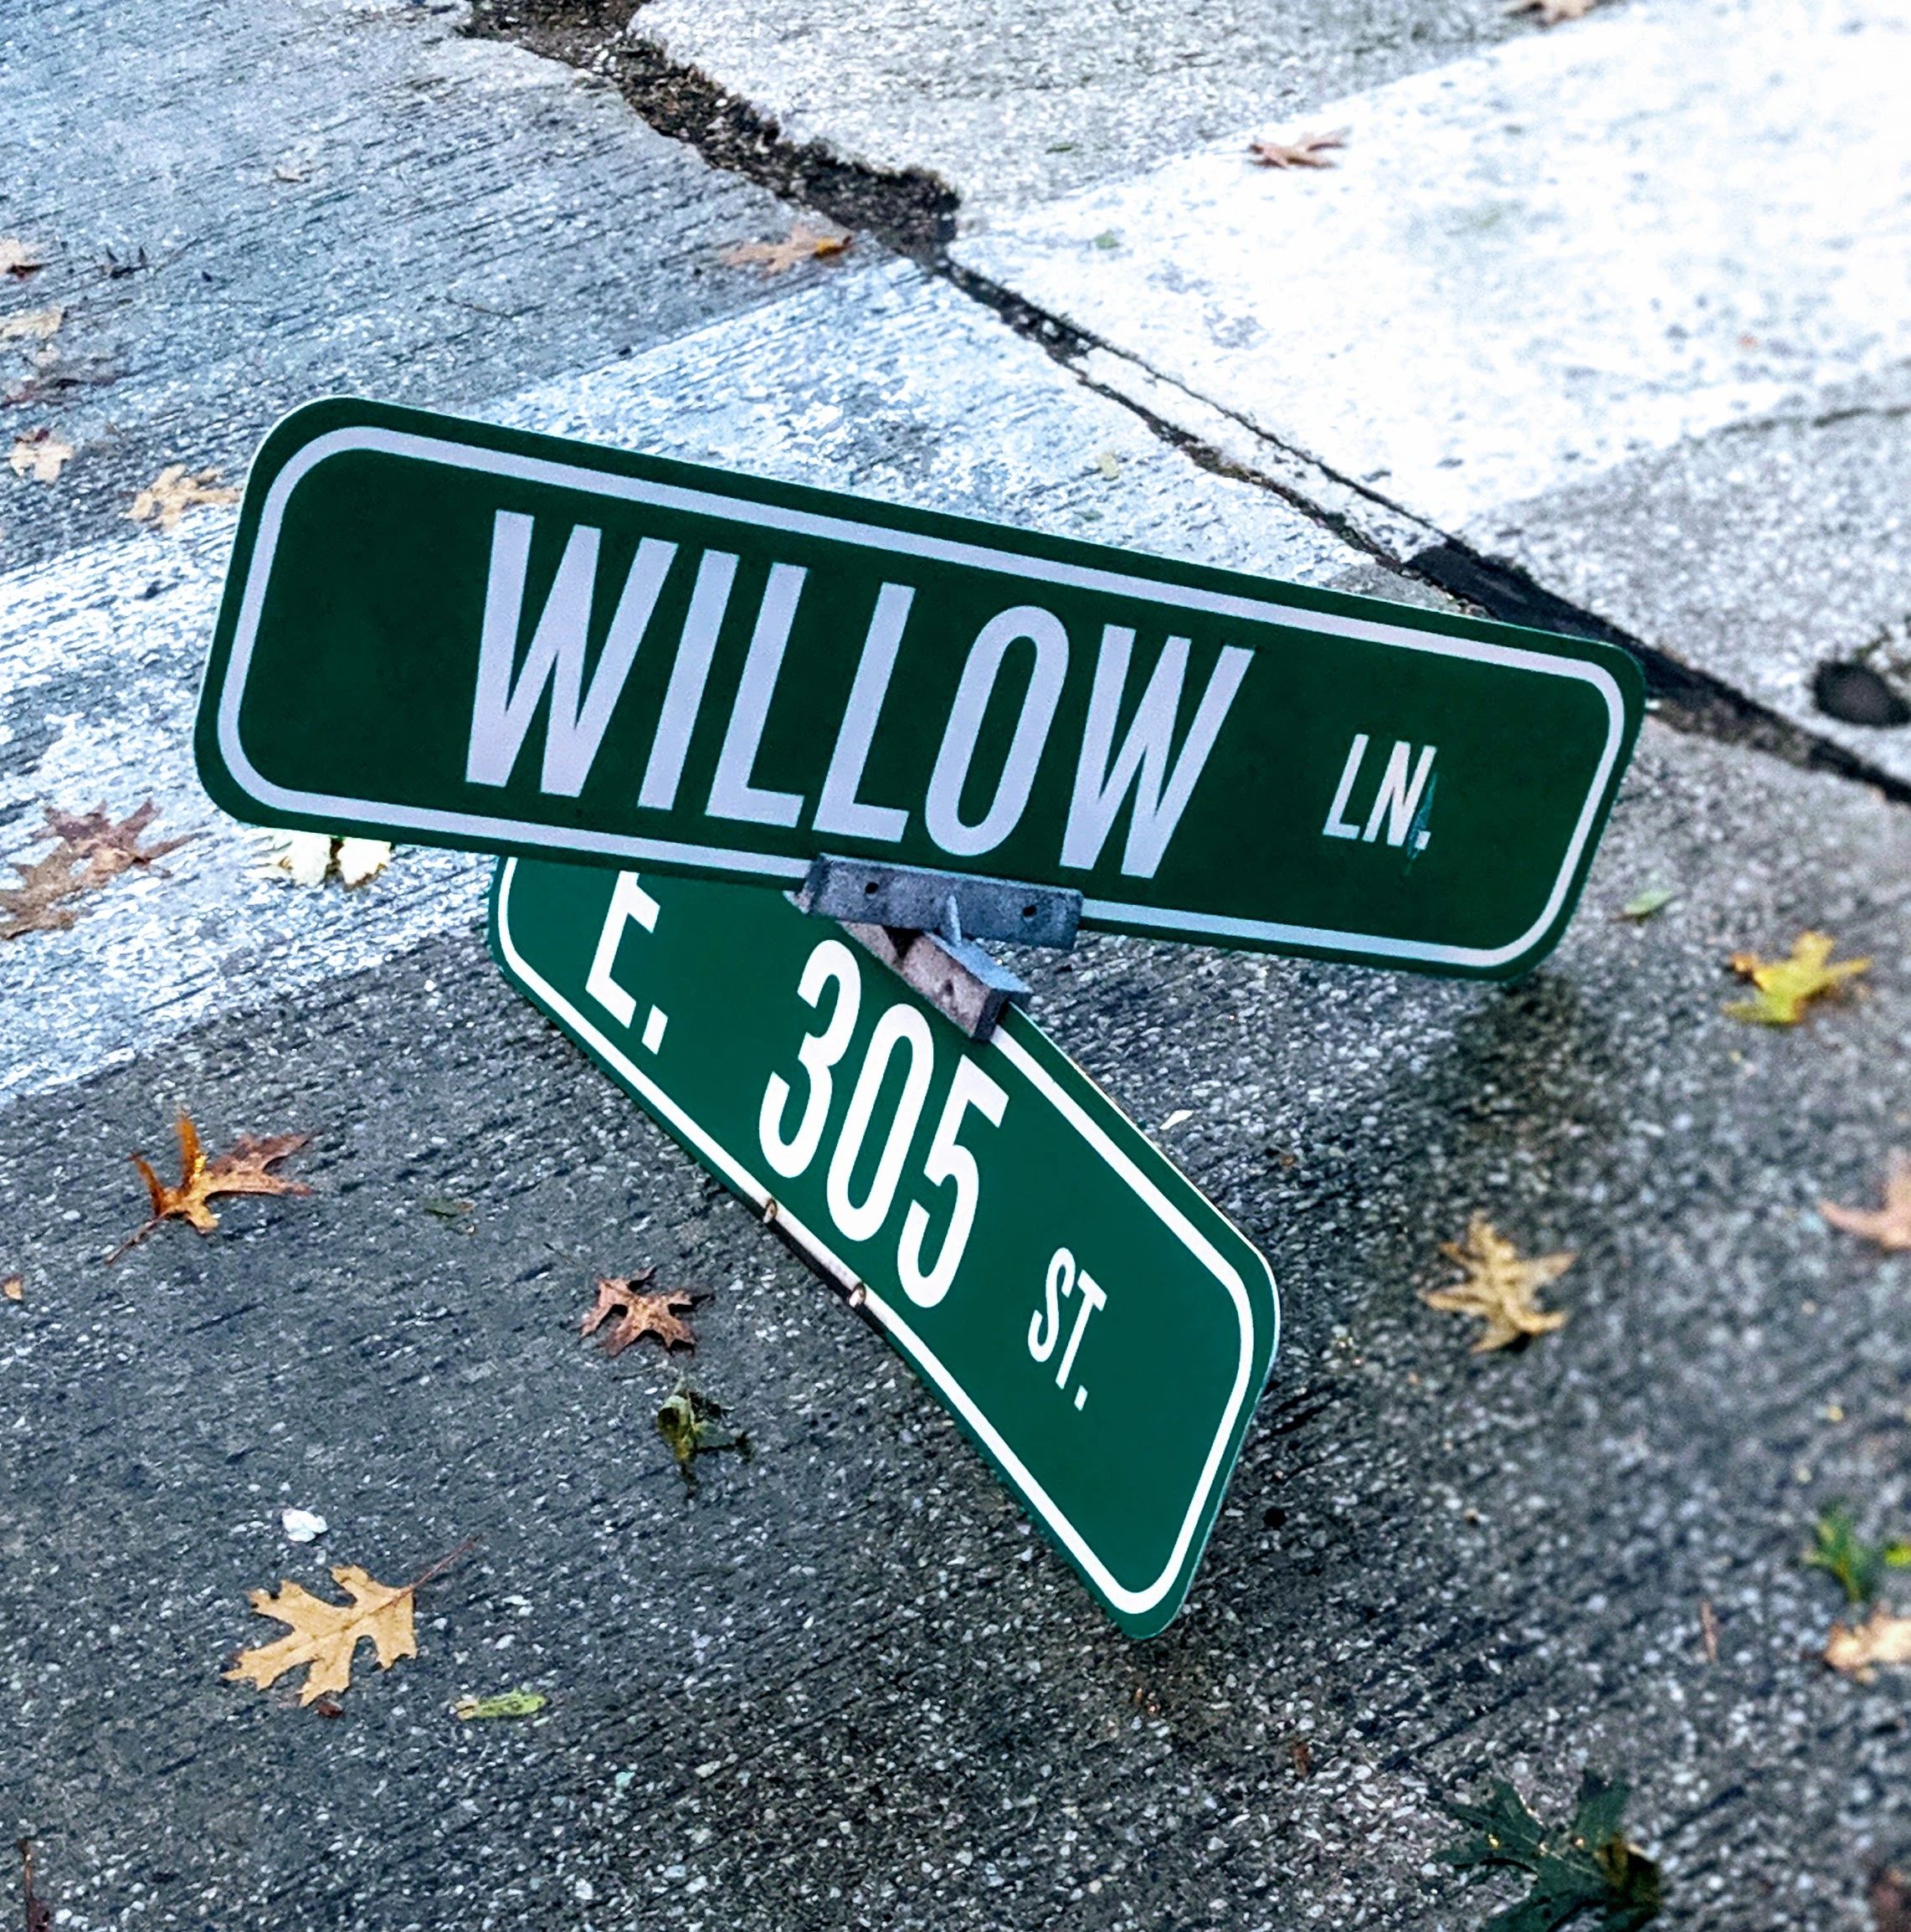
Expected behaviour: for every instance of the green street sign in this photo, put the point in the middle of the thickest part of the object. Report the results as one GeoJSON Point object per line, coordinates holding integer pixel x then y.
{"type": "Point", "coordinates": [444, 632]}
{"type": "Point", "coordinates": [1097, 1327]}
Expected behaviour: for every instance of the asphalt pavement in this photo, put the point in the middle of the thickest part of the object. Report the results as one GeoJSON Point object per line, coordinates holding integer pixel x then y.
{"type": "Point", "coordinates": [843, 1682]}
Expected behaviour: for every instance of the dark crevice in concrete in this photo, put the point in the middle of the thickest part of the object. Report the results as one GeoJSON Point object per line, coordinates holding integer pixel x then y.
{"type": "Point", "coordinates": [913, 213]}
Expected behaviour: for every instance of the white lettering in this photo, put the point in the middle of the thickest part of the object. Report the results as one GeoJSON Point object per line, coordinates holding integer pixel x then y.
{"type": "Point", "coordinates": [1336, 826]}
{"type": "Point", "coordinates": [503, 707]}
{"type": "Point", "coordinates": [839, 809]}
{"type": "Point", "coordinates": [731, 794]}
{"type": "Point", "coordinates": [629, 903]}
{"type": "Point", "coordinates": [709, 598]}
{"type": "Point", "coordinates": [942, 810]}
{"type": "Point", "coordinates": [1395, 800]}
{"type": "Point", "coordinates": [1162, 783]}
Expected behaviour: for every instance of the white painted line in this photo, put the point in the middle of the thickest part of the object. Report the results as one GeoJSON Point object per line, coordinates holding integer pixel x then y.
{"type": "Point", "coordinates": [653, 1025]}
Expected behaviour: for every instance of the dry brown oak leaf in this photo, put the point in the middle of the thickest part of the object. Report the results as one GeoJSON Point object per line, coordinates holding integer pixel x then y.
{"type": "Point", "coordinates": [1786, 987]}
{"type": "Point", "coordinates": [174, 491]}
{"type": "Point", "coordinates": [1890, 1225]}
{"type": "Point", "coordinates": [90, 849]}
{"type": "Point", "coordinates": [325, 1635]}
{"type": "Point", "coordinates": [241, 1169]}
{"type": "Point", "coordinates": [18, 258]}
{"type": "Point", "coordinates": [1858, 1649]}
{"type": "Point", "coordinates": [1308, 149]}
{"type": "Point", "coordinates": [638, 1314]}
{"type": "Point", "coordinates": [1499, 1286]}
{"type": "Point", "coordinates": [801, 244]}
{"type": "Point", "coordinates": [39, 456]}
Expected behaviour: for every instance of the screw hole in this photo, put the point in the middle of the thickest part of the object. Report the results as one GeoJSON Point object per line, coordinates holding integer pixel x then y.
{"type": "Point", "coordinates": [1028, 912]}
{"type": "Point", "coordinates": [869, 886]}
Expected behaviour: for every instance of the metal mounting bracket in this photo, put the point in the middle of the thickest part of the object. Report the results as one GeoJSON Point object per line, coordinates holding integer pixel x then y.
{"type": "Point", "coordinates": [924, 925]}
{"type": "Point", "coordinates": [871, 892]}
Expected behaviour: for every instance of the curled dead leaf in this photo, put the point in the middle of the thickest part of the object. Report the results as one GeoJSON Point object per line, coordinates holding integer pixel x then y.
{"type": "Point", "coordinates": [633, 1314]}
{"type": "Point", "coordinates": [174, 491]}
{"type": "Point", "coordinates": [1499, 1286]}
{"type": "Point", "coordinates": [89, 850]}
{"type": "Point", "coordinates": [38, 456]}
{"type": "Point", "coordinates": [1888, 1226]}
{"type": "Point", "coordinates": [1312, 149]}
{"type": "Point", "coordinates": [14, 1288]}
{"type": "Point", "coordinates": [243, 1168]}
{"type": "Point", "coordinates": [801, 244]}
{"type": "Point", "coordinates": [1856, 1650]}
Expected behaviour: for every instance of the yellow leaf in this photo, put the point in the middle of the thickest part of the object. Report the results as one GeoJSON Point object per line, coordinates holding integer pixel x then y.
{"type": "Point", "coordinates": [1858, 1649]}
{"type": "Point", "coordinates": [325, 1635]}
{"type": "Point", "coordinates": [1499, 1286]}
{"type": "Point", "coordinates": [39, 454]}
{"type": "Point", "coordinates": [35, 326]}
{"type": "Point", "coordinates": [174, 491]}
{"type": "Point", "coordinates": [1785, 987]}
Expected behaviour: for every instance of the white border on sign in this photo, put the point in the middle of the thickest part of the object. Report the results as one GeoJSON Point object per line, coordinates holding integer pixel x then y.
{"type": "Point", "coordinates": [483, 830]}
{"type": "Point", "coordinates": [1134, 1602]}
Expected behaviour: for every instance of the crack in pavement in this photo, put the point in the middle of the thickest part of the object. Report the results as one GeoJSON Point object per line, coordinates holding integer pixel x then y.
{"type": "Point", "coordinates": [913, 213]}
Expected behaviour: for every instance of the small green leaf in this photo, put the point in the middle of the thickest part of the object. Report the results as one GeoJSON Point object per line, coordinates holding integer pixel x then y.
{"type": "Point", "coordinates": [1641, 906]}
{"type": "Point", "coordinates": [1107, 239]}
{"type": "Point", "coordinates": [1858, 1566]}
{"type": "Point", "coordinates": [1589, 1866]}
{"type": "Point", "coordinates": [517, 1703]}
{"type": "Point", "coordinates": [689, 1422]}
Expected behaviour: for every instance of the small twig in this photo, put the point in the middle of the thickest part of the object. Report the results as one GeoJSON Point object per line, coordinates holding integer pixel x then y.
{"type": "Point", "coordinates": [1708, 1630]}
{"type": "Point", "coordinates": [443, 1563]}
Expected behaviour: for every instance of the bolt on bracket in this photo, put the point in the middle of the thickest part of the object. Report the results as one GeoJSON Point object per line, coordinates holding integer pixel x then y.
{"type": "Point", "coordinates": [924, 925]}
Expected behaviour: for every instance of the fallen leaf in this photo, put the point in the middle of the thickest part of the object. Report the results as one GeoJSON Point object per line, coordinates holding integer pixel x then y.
{"type": "Point", "coordinates": [639, 1314]}
{"type": "Point", "coordinates": [1109, 463]}
{"type": "Point", "coordinates": [1890, 1899]}
{"type": "Point", "coordinates": [39, 456]}
{"type": "Point", "coordinates": [39, 1913]}
{"type": "Point", "coordinates": [1551, 12]}
{"type": "Point", "coordinates": [19, 258]}
{"type": "Point", "coordinates": [517, 1703]}
{"type": "Point", "coordinates": [445, 1208]}
{"type": "Point", "coordinates": [325, 1635]}
{"type": "Point", "coordinates": [1642, 905]}
{"type": "Point", "coordinates": [241, 1169]}
{"type": "Point", "coordinates": [14, 1288]}
{"type": "Point", "coordinates": [801, 244]}
{"type": "Point", "coordinates": [174, 491]}
{"type": "Point", "coordinates": [1855, 1649]}
{"type": "Point", "coordinates": [1499, 1286]}
{"type": "Point", "coordinates": [1300, 1757]}
{"type": "Point", "coordinates": [289, 170]}
{"type": "Point", "coordinates": [309, 858]}
{"type": "Point", "coordinates": [1858, 1566]}
{"type": "Point", "coordinates": [1589, 1866]}
{"type": "Point", "coordinates": [1786, 986]}
{"type": "Point", "coordinates": [1890, 1225]}
{"type": "Point", "coordinates": [35, 326]}
{"type": "Point", "coordinates": [90, 849]}
{"type": "Point", "coordinates": [689, 1422]}
{"type": "Point", "coordinates": [1309, 150]}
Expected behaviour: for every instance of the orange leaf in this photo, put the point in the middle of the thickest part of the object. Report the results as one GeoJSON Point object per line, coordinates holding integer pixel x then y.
{"type": "Point", "coordinates": [639, 1314]}
{"type": "Point", "coordinates": [241, 1169]}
